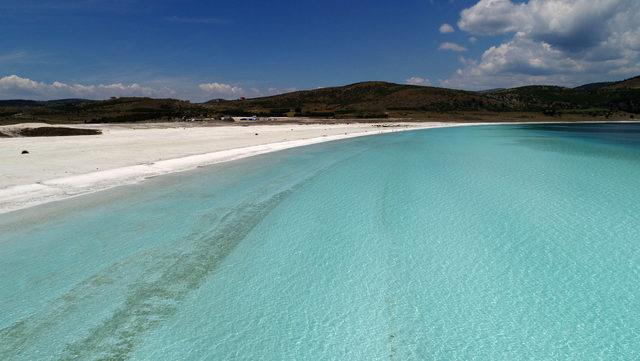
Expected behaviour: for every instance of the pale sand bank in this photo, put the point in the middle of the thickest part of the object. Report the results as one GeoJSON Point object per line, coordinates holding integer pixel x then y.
{"type": "Point", "coordinates": [63, 167]}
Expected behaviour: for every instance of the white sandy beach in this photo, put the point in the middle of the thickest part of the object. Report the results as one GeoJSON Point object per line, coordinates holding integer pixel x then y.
{"type": "Point", "coordinates": [63, 167]}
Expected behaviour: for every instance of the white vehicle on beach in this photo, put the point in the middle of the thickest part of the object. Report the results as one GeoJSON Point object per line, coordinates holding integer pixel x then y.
{"type": "Point", "coordinates": [252, 118]}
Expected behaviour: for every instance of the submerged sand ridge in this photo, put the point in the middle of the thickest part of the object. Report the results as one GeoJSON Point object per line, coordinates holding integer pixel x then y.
{"type": "Point", "coordinates": [60, 167]}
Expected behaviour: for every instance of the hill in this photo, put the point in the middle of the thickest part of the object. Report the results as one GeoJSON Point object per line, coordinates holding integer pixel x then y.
{"type": "Point", "coordinates": [594, 86]}
{"type": "Point", "coordinates": [92, 111]}
{"type": "Point", "coordinates": [360, 100]}
{"type": "Point", "coordinates": [366, 99]}
{"type": "Point", "coordinates": [555, 100]}
{"type": "Point", "coordinates": [632, 83]}
{"type": "Point", "coordinates": [380, 99]}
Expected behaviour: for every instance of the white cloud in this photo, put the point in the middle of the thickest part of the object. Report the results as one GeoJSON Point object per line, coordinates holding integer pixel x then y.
{"type": "Point", "coordinates": [564, 42]}
{"type": "Point", "coordinates": [446, 28]}
{"type": "Point", "coordinates": [452, 47]}
{"type": "Point", "coordinates": [490, 17]}
{"type": "Point", "coordinates": [562, 23]}
{"type": "Point", "coordinates": [221, 89]}
{"type": "Point", "coordinates": [16, 87]}
{"type": "Point", "coordinates": [230, 91]}
{"type": "Point", "coordinates": [272, 91]}
{"type": "Point", "coordinates": [416, 80]}
{"type": "Point", "coordinates": [13, 86]}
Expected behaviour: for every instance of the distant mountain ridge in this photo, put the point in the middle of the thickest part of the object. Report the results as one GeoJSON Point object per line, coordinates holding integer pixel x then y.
{"type": "Point", "coordinates": [377, 99]}
{"type": "Point", "coordinates": [43, 103]}
{"type": "Point", "coordinates": [594, 86]}
{"type": "Point", "coordinates": [359, 99]}
{"type": "Point", "coordinates": [374, 99]}
{"type": "Point", "coordinates": [115, 110]}
{"type": "Point", "coordinates": [631, 83]}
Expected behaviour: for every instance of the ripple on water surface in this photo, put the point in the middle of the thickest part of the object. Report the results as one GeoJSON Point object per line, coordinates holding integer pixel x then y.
{"type": "Point", "coordinates": [495, 242]}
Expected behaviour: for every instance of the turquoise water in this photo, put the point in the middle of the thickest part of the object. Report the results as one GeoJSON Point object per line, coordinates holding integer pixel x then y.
{"type": "Point", "coordinates": [484, 243]}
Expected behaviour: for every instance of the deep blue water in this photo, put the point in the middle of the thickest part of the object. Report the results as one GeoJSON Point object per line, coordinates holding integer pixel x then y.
{"type": "Point", "coordinates": [489, 243]}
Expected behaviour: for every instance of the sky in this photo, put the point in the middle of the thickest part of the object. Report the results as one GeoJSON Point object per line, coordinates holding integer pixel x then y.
{"type": "Point", "coordinates": [199, 50]}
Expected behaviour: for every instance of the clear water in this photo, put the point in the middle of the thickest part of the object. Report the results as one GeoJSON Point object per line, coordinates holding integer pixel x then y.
{"type": "Point", "coordinates": [483, 243]}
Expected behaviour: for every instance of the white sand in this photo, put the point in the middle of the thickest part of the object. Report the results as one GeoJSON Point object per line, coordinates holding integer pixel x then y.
{"type": "Point", "coordinates": [63, 167]}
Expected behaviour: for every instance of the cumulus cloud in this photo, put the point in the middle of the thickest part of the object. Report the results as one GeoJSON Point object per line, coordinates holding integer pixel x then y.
{"type": "Point", "coordinates": [446, 28]}
{"type": "Point", "coordinates": [228, 91]}
{"type": "Point", "coordinates": [16, 87]}
{"type": "Point", "coordinates": [221, 89]}
{"type": "Point", "coordinates": [416, 80]}
{"type": "Point", "coordinates": [13, 86]}
{"type": "Point", "coordinates": [567, 24]}
{"type": "Point", "coordinates": [563, 42]}
{"type": "Point", "coordinates": [275, 91]}
{"type": "Point", "coordinates": [452, 47]}
{"type": "Point", "coordinates": [490, 17]}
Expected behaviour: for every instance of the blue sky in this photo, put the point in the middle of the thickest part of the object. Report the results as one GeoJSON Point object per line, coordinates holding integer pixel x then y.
{"type": "Point", "coordinates": [204, 49]}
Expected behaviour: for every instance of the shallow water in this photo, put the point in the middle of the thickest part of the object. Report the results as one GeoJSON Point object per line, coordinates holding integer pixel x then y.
{"type": "Point", "coordinates": [489, 243]}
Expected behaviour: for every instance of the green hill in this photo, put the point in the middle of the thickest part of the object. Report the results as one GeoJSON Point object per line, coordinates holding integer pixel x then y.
{"type": "Point", "coordinates": [594, 86]}
{"type": "Point", "coordinates": [632, 83]}
{"type": "Point", "coordinates": [92, 111]}
{"type": "Point", "coordinates": [560, 99]}
{"type": "Point", "coordinates": [378, 99]}
{"type": "Point", "coordinates": [360, 100]}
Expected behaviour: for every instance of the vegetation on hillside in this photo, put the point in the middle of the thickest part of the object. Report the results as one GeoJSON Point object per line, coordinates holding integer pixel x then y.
{"type": "Point", "coordinates": [631, 83]}
{"type": "Point", "coordinates": [115, 110]}
{"type": "Point", "coordinates": [381, 99]}
{"type": "Point", "coordinates": [360, 100]}
{"type": "Point", "coordinates": [550, 99]}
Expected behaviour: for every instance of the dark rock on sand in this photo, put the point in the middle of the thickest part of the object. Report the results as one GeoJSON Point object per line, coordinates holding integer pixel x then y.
{"type": "Point", "coordinates": [57, 131]}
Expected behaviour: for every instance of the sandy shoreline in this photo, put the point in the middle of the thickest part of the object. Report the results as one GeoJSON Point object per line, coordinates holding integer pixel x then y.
{"type": "Point", "coordinates": [62, 167]}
